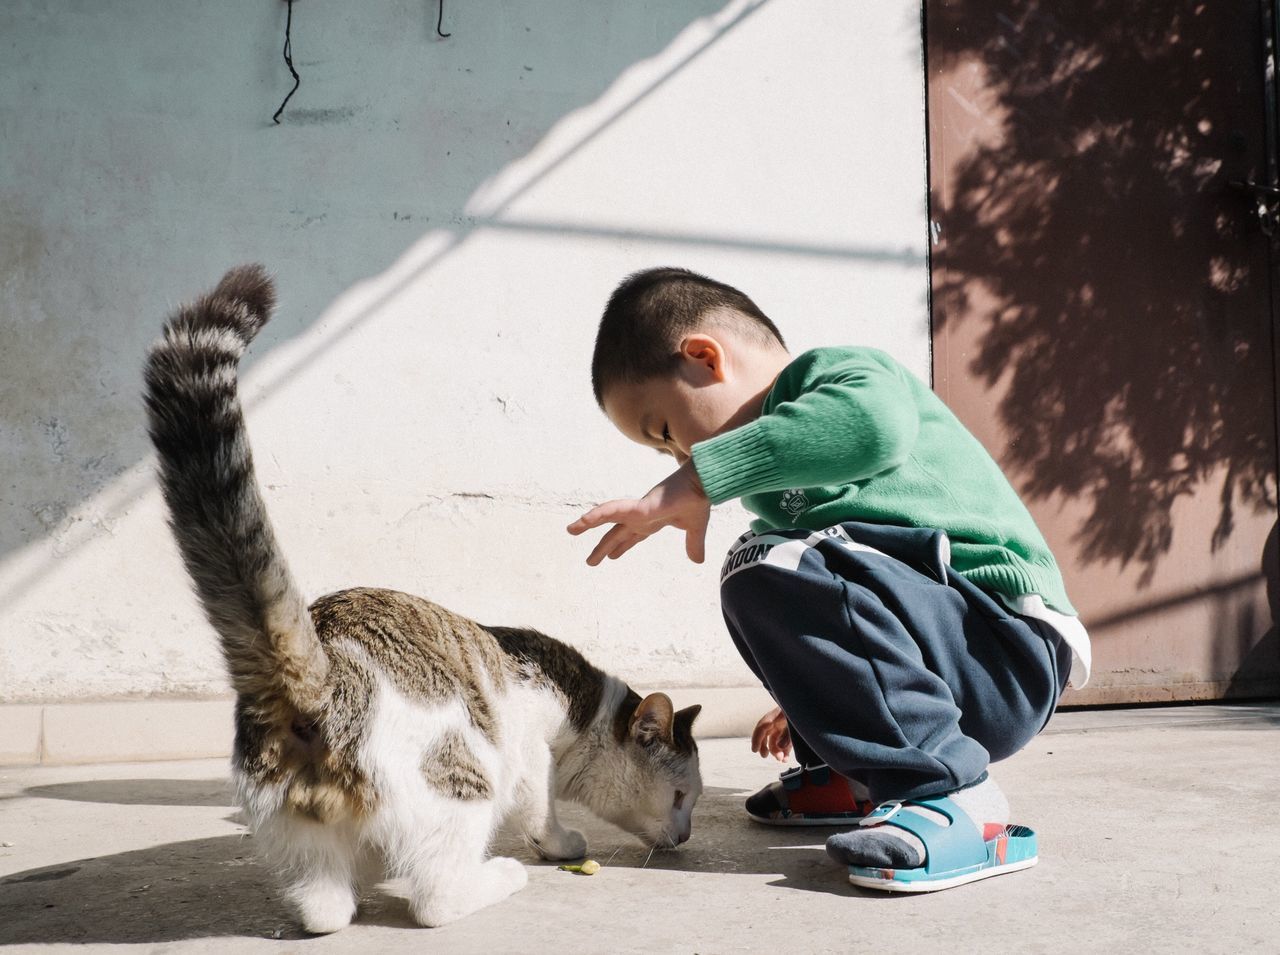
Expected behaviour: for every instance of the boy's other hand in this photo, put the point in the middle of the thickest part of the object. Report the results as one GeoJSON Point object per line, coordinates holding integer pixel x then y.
{"type": "Point", "coordinates": [677, 501]}
{"type": "Point", "coordinates": [772, 736]}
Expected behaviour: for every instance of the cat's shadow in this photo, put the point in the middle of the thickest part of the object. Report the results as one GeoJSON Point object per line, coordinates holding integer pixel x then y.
{"type": "Point", "coordinates": [214, 887]}
{"type": "Point", "coordinates": [140, 792]}
{"type": "Point", "coordinates": [201, 888]}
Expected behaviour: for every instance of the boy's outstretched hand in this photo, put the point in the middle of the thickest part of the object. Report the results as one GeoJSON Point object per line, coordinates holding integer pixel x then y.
{"type": "Point", "coordinates": [676, 502]}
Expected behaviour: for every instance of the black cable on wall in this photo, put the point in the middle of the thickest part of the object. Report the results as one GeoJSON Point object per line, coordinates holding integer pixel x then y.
{"type": "Point", "coordinates": [288, 61]}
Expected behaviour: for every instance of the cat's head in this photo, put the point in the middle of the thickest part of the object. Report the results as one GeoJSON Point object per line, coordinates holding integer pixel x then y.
{"type": "Point", "coordinates": [647, 779]}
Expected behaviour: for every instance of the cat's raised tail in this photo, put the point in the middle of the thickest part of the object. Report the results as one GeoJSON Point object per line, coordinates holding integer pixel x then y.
{"type": "Point", "coordinates": [216, 510]}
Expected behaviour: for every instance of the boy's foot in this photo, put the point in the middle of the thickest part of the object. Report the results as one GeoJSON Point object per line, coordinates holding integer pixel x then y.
{"type": "Point", "coordinates": [815, 796]}
{"type": "Point", "coordinates": [961, 837]}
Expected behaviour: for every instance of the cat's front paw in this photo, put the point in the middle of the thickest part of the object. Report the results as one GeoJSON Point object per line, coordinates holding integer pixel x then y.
{"type": "Point", "coordinates": [562, 844]}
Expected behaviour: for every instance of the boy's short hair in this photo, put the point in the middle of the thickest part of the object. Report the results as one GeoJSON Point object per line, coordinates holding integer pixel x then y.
{"type": "Point", "coordinates": [651, 311]}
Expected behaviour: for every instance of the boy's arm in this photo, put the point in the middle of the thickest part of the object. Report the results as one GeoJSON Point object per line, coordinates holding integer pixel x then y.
{"type": "Point", "coordinates": [677, 501]}
{"type": "Point", "coordinates": [848, 421]}
{"type": "Point", "coordinates": [851, 421]}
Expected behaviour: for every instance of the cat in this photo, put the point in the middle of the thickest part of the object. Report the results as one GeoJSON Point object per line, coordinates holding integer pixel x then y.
{"type": "Point", "coordinates": [378, 735]}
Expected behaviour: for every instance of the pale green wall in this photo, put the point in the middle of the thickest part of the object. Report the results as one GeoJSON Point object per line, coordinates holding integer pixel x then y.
{"type": "Point", "coordinates": [445, 219]}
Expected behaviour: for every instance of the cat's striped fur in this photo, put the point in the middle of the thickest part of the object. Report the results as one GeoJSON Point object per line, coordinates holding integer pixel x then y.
{"type": "Point", "coordinates": [378, 735]}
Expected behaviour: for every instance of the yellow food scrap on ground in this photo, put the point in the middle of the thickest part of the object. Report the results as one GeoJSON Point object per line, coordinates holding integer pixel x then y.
{"type": "Point", "coordinates": [590, 867]}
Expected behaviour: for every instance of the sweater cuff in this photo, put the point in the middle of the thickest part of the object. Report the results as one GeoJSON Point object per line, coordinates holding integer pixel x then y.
{"type": "Point", "coordinates": [735, 463]}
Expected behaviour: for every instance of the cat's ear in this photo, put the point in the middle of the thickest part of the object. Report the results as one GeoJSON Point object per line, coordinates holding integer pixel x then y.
{"type": "Point", "coordinates": [683, 727]}
{"type": "Point", "coordinates": [652, 720]}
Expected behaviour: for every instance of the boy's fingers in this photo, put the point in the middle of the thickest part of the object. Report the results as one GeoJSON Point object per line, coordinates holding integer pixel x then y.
{"type": "Point", "coordinates": [606, 544]}
{"type": "Point", "coordinates": [625, 546]}
{"type": "Point", "coordinates": [615, 543]}
{"type": "Point", "coordinates": [586, 522]}
{"type": "Point", "coordinates": [609, 512]}
{"type": "Point", "coordinates": [784, 743]}
{"type": "Point", "coordinates": [765, 727]}
{"type": "Point", "coordinates": [695, 543]}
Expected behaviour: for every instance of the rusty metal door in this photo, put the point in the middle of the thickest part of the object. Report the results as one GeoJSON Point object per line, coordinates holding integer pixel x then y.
{"type": "Point", "coordinates": [1103, 314]}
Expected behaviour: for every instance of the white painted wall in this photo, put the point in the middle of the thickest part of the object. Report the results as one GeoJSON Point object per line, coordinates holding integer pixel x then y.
{"type": "Point", "coordinates": [446, 219]}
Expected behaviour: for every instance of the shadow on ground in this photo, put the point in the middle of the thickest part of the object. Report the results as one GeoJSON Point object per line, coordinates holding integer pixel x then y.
{"type": "Point", "coordinates": [197, 889]}
{"type": "Point", "coordinates": [140, 792]}
{"type": "Point", "coordinates": [215, 887]}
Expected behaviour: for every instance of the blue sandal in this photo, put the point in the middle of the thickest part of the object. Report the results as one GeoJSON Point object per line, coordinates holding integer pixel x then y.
{"type": "Point", "coordinates": [954, 854]}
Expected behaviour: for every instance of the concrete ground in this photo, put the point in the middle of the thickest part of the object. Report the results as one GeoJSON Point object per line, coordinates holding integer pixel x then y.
{"type": "Point", "coordinates": [1157, 833]}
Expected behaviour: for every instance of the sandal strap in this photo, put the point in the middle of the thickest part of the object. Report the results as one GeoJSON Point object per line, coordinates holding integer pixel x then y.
{"type": "Point", "coordinates": [948, 847]}
{"type": "Point", "coordinates": [795, 777]}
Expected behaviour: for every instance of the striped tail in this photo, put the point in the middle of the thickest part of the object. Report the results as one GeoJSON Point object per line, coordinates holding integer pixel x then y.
{"type": "Point", "coordinates": [216, 511]}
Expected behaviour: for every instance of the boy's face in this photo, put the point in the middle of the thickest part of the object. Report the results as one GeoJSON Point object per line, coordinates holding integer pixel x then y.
{"type": "Point", "coordinates": [703, 397]}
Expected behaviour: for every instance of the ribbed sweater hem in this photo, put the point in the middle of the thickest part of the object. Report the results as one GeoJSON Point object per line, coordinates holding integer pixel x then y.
{"type": "Point", "coordinates": [1015, 580]}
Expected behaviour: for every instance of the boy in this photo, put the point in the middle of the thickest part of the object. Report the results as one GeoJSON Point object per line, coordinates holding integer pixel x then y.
{"type": "Point", "coordinates": [895, 596]}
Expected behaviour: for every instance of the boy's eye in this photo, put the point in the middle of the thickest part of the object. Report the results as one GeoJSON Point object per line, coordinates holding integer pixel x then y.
{"type": "Point", "coordinates": [666, 434]}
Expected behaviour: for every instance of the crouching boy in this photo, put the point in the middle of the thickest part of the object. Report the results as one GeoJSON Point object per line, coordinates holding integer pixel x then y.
{"type": "Point", "coordinates": [894, 596]}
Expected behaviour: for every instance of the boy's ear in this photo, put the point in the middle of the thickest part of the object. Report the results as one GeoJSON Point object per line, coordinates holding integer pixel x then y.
{"type": "Point", "coordinates": [652, 720]}
{"type": "Point", "coordinates": [706, 352]}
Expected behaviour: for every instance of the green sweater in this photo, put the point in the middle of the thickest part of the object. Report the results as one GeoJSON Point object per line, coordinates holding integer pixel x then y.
{"type": "Point", "coordinates": [848, 434]}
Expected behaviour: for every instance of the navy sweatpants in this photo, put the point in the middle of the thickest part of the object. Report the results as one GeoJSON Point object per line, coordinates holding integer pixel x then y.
{"type": "Point", "coordinates": [892, 668]}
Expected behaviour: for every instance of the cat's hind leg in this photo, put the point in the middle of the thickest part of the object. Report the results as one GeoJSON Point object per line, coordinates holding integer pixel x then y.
{"type": "Point", "coordinates": [320, 865]}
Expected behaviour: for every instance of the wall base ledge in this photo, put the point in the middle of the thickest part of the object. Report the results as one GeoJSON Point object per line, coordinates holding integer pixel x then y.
{"type": "Point", "coordinates": [128, 731]}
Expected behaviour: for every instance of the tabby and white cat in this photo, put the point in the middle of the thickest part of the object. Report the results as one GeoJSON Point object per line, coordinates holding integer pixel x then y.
{"type": "Point", "coordinates": [378, 735]}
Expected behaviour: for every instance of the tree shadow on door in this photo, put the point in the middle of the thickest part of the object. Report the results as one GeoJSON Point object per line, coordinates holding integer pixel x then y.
{"type": "Point", "coordinates": [1128, 289]}
{"type": "Point", "coordinates": [1111, 285]}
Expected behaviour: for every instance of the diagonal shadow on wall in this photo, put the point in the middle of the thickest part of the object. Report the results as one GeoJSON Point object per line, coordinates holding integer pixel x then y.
{"type": "Point", "coordinates": [73, 449]}
{"type": "Point", "coordinates": [69, 400]}
{"type": "Point", "coordinates": [356, 182]}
